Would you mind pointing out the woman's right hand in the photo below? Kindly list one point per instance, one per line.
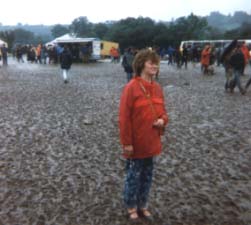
(159, 123)
(128, 150)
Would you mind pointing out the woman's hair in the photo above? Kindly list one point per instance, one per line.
(141, 57)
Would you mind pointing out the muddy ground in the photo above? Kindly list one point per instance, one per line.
(60, 157)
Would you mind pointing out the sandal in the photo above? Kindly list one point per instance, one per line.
(133, 214)
(146, 214)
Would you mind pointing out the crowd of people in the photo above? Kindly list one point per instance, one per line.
(235, 61)
(36, 54)
(50, 54)
(238, 57)
(208, 56)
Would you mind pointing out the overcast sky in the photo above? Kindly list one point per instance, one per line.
(50, 12)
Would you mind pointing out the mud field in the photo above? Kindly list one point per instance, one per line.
(60, 157)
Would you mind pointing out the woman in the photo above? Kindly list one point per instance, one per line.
(142, 118)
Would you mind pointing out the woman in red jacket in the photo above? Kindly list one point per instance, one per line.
(142, 117)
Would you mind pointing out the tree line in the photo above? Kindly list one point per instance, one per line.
(139, 32)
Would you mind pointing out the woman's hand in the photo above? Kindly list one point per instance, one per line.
(159, 123)
(128, 150)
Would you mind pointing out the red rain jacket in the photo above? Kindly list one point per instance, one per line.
(205, 57)
(136, 118)
(246, 54)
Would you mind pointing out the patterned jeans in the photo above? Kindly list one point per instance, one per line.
(138, 182)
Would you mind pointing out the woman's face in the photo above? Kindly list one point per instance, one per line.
(150, 68)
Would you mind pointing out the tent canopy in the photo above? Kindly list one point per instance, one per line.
(69, 38)
(3, 43)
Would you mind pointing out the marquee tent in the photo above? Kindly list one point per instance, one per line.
(69, 38)
(3, 43)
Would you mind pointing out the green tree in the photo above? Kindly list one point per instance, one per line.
(240, 17)
(214, 33)
(23, 36)
(242, 32)
(82, 27)
(8, 36)
(188, 28)
(161, 35)
(59, 30)
(218, 20)
(245, 31)
(100, 30)
(133, 32)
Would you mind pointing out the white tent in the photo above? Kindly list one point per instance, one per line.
(3, 43)
(55, 41)
(70, 38)
(95, 43)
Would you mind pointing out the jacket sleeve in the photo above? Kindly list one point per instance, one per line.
(125, 116)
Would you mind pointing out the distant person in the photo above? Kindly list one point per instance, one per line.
(237, 62)
(19, 54)
(219, 51)
(44, 54)
(225, 56)
(4, 52)
(38, 53)
(31, 56)
(114, 53)
(142, 117)
(170, 53)
(127, 63)
(65, 62)
(205, 59)
(212, 60)
(53, 53)
(247, 59)
(178, 57)
(195, 55)
(245, 51)
(184, 57)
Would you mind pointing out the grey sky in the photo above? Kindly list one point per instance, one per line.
(50, 12)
